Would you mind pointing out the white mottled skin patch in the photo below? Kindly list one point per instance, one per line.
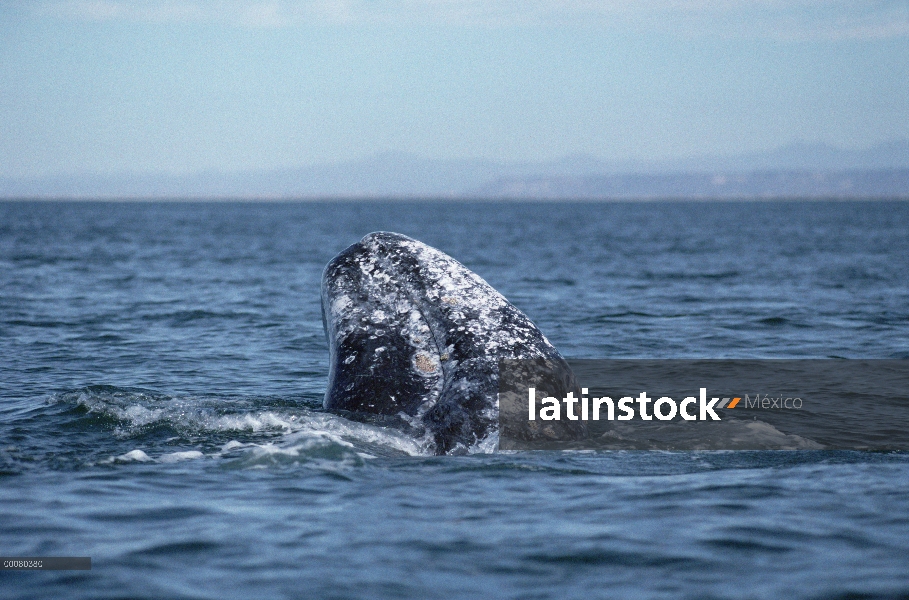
(466, 299)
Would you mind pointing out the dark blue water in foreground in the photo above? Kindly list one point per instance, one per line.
(162, 368)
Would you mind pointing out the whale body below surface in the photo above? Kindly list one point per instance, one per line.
(416, 337)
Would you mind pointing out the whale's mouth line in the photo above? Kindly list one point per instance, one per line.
(433, 399)
(432, 334)
(388, 266)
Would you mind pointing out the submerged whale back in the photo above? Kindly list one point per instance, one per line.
(414, 334)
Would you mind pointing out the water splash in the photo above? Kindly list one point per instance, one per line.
(245, 431)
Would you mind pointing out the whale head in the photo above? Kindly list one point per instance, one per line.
(415, 337)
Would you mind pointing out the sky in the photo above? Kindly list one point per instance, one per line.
(180, 86)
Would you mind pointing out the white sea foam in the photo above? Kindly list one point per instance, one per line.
(273, 435)
(136, 411)
(133, 456)
(180, 456)
(140, 456)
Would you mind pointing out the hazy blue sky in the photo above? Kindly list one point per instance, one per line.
(183, 85)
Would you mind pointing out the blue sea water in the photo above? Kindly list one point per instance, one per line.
(162, 367)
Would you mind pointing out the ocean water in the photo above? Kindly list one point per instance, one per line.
(162, 367)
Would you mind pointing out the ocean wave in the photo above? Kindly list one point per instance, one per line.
(261, 431)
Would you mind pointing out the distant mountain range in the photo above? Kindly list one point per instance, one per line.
(885, 183)
(801, 170)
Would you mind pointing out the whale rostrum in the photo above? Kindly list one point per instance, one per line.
(416, 338)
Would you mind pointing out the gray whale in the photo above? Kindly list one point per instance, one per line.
(416, 338)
